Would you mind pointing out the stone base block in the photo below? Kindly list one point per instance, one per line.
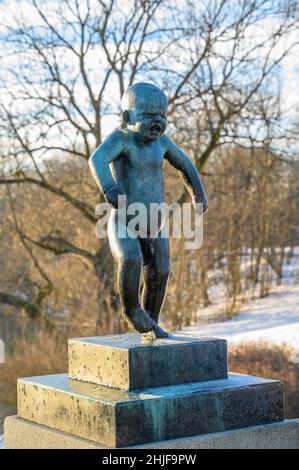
(23, 434)
(117, 418)
(131, 361)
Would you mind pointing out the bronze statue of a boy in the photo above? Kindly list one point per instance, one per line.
(129, 163)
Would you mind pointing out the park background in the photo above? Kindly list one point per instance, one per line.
(230, 69)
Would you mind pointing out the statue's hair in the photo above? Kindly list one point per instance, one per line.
(143, 92)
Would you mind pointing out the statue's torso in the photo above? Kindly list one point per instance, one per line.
(139, 171)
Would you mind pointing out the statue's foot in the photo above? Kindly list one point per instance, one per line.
(143, 323)
(158, 332)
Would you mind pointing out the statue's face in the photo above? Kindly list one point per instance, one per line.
(149, 120)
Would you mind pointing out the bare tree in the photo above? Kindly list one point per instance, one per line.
(65, 71)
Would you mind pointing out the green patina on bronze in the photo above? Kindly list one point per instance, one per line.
(118, 418)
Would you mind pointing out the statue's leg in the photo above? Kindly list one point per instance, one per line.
(155, 276)
(127, 252)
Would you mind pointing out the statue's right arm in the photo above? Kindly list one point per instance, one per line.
(99, 163)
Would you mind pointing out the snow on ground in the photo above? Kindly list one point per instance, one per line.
(274, 318)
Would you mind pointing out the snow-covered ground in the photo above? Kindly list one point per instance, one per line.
(274, 318)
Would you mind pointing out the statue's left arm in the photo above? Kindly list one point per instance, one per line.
(188, 172)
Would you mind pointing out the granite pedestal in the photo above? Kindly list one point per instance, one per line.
(128, 362)
(124, 391)
(23, 434)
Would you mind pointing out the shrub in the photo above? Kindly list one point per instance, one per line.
(46, 354)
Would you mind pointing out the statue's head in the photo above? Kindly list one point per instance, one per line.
(144, 108)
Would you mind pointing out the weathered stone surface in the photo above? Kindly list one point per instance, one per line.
(118, 418)
(127, 362)
(20, 433)
(23, 434)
